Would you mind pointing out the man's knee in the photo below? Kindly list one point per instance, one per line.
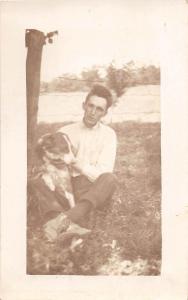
(108, 178)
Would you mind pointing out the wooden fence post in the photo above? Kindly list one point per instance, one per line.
(34, 41)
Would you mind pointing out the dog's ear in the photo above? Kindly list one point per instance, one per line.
(46, 140)
(43, 143)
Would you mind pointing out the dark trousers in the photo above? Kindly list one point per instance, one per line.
(97, 193)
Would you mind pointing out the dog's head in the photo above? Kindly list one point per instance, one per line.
(55, 147)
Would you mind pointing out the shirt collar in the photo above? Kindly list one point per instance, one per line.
(90, 128)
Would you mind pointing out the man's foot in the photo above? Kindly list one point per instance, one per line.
(74, 230)
(63, 227)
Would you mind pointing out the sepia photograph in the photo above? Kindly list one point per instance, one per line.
(94, 148)
(93, 145)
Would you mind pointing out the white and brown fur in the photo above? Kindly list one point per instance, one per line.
(55, 151)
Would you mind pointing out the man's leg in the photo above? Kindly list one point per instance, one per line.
(91, 195)
(88, 195)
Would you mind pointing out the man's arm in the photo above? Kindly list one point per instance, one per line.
(106, 161)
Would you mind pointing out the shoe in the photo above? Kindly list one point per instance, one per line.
(76, 229)
(63, 227)
(73, 231)
(55, 226)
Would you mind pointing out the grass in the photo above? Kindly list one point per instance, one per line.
(126, 235)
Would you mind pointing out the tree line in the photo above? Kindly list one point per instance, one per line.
(117, 79)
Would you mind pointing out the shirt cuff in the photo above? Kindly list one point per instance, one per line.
(91, 172)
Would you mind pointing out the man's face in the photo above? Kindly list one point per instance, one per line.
(94, 109)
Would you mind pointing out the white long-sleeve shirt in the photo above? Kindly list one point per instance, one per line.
(95, 148)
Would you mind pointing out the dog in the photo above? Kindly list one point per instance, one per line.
(56, 153)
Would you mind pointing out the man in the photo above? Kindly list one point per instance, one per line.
(92, 178)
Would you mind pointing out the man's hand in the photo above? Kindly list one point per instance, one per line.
(77, 165)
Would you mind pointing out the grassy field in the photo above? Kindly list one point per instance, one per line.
(126, 235)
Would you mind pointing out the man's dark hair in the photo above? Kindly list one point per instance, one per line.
(100, 91)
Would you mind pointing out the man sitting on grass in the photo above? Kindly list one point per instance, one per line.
(92, 178)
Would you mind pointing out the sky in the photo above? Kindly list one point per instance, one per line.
(93, 32)
(96, 35)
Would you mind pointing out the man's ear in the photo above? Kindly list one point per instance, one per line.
(104, 113)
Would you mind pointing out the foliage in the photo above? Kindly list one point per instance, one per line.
(126, 234)
(117, 79)
(91, 76)
(66, 83)
(148, 75)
